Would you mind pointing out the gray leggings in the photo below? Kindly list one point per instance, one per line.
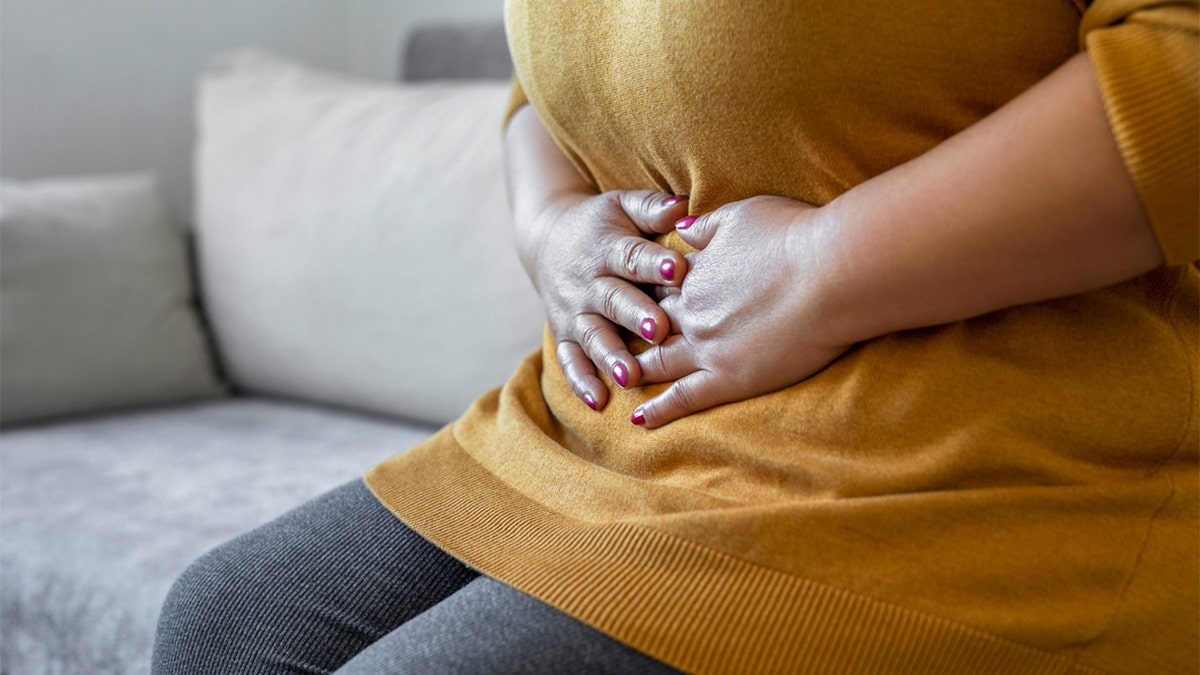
(341, 585)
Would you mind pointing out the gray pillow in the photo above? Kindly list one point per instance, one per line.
(95, 300)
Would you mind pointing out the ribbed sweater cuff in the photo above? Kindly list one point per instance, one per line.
(1148, 69)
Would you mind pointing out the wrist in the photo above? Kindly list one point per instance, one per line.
(817, 247)
(535, 222)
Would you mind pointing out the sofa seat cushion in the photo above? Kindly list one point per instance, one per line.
(100, 515)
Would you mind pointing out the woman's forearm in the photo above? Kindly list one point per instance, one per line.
(537, 172)
(1032, 203)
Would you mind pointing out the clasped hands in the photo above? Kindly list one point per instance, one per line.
(744, 316)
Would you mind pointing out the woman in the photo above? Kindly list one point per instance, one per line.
(872, 344)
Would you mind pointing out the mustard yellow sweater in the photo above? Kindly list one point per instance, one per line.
(1015, 493)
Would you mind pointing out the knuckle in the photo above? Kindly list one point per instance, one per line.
(659, 361)
(631, 254)
(562, 351)
(669, 303)
(566, 357)
(610, 301)
(685, 396)
(647, 203)
(588, 334)
(592, 340)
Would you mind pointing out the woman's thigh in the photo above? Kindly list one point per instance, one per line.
(303, 593)
(487, 627)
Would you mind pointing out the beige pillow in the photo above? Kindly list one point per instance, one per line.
(355, 239)
(95, 300)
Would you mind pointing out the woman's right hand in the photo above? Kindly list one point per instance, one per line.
(587, 253)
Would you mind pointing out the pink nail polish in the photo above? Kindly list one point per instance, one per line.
(638, 417)
(620, 374)
(685, 223)
(667, 269)
(590, 400)
(648, 327)
(672, 200)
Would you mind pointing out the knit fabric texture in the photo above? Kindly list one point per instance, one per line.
(338, 585)
(303, 593)
(1017, 492)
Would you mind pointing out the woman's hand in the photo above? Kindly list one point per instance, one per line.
(587, 254)
(748, 318)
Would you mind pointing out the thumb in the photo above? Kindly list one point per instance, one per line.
(651, 211)
(698, 231)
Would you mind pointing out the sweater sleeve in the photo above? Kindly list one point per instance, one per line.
(1146, 54)
(515, 101)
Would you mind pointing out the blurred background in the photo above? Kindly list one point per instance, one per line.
(182, 365)
(95, 86)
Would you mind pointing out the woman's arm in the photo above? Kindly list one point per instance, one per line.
(538, 174)
(1033, 202)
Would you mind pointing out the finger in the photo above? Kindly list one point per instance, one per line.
(626, 305)
(598, 338)
(670, 305)
(696, 392)
(581, 375)
(645, 262)
(672, 360)
(698, 231)
(660, 293)
(653, 212)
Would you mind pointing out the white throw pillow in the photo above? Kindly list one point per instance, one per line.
(354, 237)
(95, 300)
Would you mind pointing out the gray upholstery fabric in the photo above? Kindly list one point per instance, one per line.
(99, 515)
(95, 301)
(456, 52)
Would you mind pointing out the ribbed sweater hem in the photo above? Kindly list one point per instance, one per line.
(694, 608)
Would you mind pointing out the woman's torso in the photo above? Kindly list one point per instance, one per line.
(1002, 454)
(727, 100)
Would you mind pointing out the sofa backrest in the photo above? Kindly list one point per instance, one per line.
(456, 51)
(353, 237)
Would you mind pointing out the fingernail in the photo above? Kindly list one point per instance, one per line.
(620, 374)
(672, 200)
(648, 328)
(638, 417)
(667, 269)
(685, 223)
(590, 400)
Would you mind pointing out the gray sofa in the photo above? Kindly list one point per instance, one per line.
(350, 287)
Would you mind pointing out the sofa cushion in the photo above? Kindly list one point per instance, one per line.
(354, 237)
(95, 299)
(100, 515)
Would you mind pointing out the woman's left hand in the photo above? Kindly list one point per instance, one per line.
(751, 316)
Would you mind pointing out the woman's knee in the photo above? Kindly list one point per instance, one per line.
(339, 570)
(246, 603)
(213, 602)
(250, 575)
